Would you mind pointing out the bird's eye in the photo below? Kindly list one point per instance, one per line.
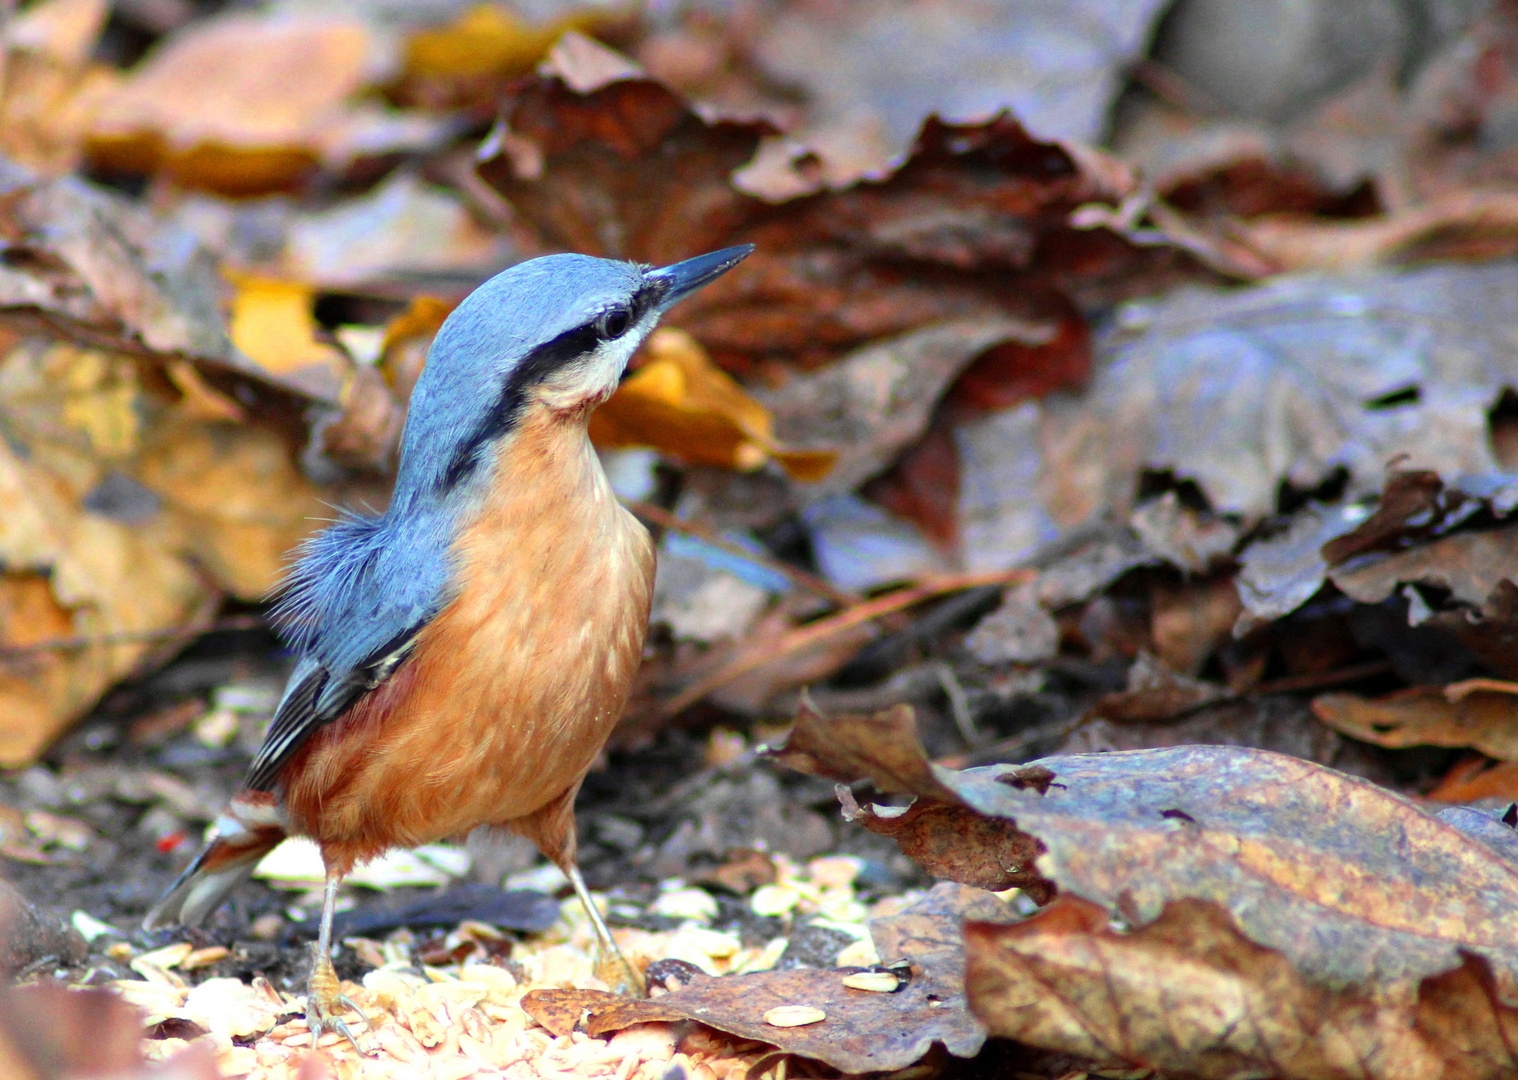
(614, 323)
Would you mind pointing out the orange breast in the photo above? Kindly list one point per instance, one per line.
(511, 691)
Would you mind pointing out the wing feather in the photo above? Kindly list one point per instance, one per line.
(314, 698)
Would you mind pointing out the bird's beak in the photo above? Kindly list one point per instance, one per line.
(683, 278)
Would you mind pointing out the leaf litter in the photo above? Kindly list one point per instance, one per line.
(921, 453)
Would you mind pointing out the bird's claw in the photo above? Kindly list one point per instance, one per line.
(323, 999)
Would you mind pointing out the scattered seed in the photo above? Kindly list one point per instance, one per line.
(168, 956)
(789, 1016)
(773, 899)
(877, 982)
(200, 958)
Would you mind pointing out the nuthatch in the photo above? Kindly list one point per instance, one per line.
(464, 655)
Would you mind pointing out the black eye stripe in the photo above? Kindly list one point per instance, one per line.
(533, 369)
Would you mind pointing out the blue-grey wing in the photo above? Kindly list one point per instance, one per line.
(353, 607)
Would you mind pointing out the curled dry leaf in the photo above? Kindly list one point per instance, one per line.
(1475, 779)
(1469, 565)
(1424, 716)
(872, 70)
(127, 511)
(1359, 371)
(860, 1031)
(627, 169)
(679, 402)
(89, 265)
(1190, 992)
(1291, 852)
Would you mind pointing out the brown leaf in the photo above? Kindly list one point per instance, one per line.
(949, 839)
(1477, 778)
(956, 843)
(1470, 565)
(248, 104)
(1190, 992)
(1423, 716)
(1304, 874)
(862, 1031)
(1410, 494)
(47, 1031)
(882, 749)
(92, 266)
(1190, 620)
(628, 170)
(1175, 389)
(1155, 691)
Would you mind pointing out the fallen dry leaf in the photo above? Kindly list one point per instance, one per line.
(130, 507)
(246, 104)
(1468, 565)
(52, 85)
(1290, 851)
(859, 1030)
(1189, 992)
(872, 71)
(1424, 716)
(273, 325)
(466, 61)
(626, 169)
(682, 404)
(1477, 778)
(91, 266)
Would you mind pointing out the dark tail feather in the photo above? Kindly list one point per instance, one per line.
(224, 863)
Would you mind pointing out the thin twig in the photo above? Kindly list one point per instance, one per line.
(129, 637)
(798, 577)
(1319, 679)
(814, 633)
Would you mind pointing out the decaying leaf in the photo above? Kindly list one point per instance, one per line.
(1475, 779)
(89, 265)
(626, 169)
(273, 325)
(873, 70)
(1291, 853)
(248, 104)
(860, 1031)
(1189, 992)
(679, 402)
(1356, 371)
(1468, 565)
(52, 84)
(129, 508)
(1425, 716)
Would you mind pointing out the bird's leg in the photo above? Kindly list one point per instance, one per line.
(324, 993)
(622, 972)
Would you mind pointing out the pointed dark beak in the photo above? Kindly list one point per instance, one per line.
(683, 278)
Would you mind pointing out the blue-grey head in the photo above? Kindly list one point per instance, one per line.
(557, 330)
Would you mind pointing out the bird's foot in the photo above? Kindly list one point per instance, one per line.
(325, 998)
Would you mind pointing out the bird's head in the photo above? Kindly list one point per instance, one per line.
(554, 333)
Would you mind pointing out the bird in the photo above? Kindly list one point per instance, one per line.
(462, 657)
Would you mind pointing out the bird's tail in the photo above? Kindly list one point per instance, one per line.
(243, 835)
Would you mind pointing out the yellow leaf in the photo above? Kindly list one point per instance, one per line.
(99, 399)
(487, 39)
(680, 403)
(273, 325)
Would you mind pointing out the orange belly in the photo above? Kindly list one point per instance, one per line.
(510, 693)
